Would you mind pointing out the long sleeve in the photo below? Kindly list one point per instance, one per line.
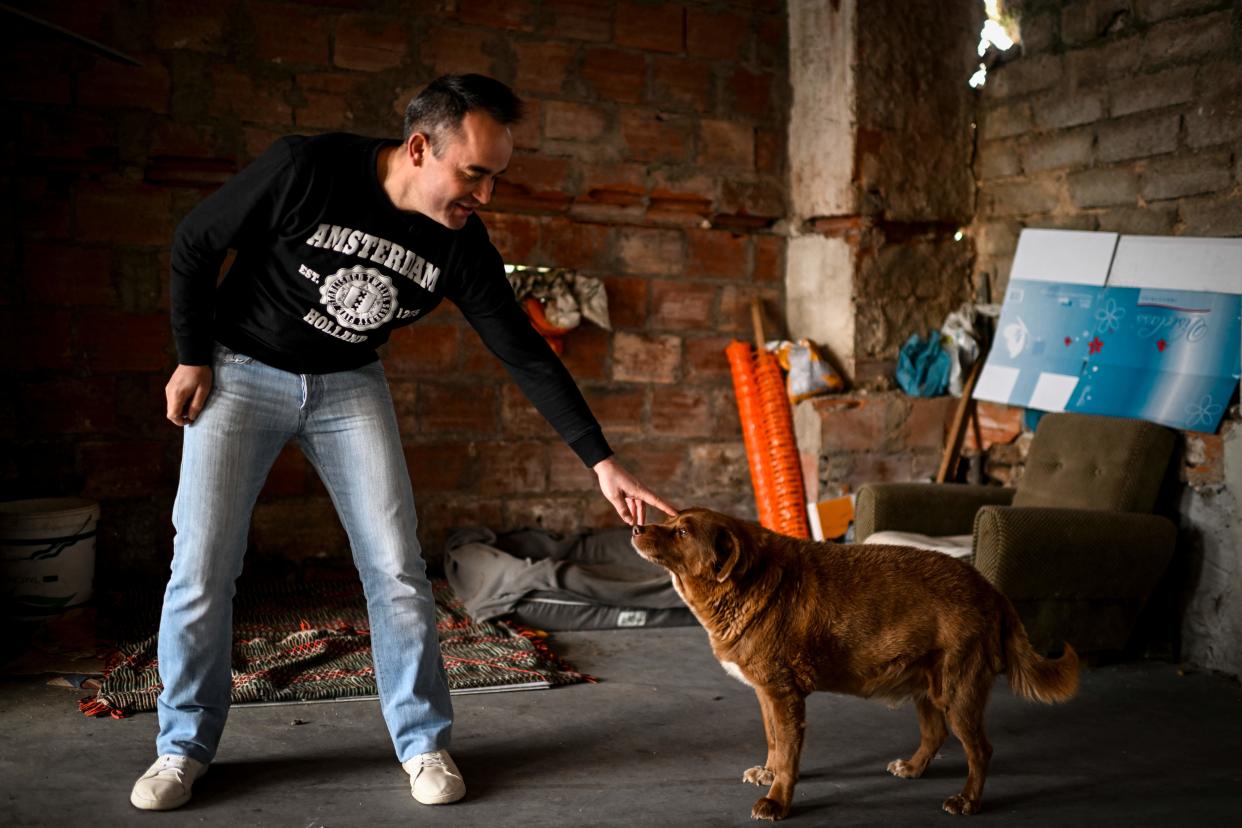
(250, 204)
(487, 302)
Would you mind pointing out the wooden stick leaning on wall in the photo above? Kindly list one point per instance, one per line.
(961, 418)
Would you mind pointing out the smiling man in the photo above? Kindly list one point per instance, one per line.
(339, 239)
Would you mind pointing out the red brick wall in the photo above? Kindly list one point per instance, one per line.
(653, 157)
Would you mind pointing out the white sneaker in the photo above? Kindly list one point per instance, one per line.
(434, 778)
(166, 784)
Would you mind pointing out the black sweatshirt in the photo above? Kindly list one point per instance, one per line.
(327, 267)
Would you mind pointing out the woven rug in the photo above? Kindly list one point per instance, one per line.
(310, 642)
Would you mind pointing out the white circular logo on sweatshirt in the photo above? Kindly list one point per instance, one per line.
(360, 298)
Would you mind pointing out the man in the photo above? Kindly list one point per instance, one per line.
(339, 240)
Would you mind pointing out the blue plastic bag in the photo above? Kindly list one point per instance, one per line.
(923, 366)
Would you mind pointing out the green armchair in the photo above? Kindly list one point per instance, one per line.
(1075, 546)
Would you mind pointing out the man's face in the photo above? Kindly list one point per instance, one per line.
(461, 177)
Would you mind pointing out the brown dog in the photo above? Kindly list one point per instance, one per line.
(789, 617)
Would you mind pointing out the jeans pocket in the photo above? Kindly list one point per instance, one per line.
(233, 358)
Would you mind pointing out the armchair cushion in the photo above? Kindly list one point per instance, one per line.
(1092, 462)
(925, 508)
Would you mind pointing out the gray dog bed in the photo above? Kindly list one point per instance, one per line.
(587, 581)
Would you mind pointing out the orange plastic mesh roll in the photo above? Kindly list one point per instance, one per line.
(767, 431)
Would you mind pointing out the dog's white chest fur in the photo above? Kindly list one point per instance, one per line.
(735, 671)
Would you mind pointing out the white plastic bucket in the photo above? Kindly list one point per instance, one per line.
(47, 555)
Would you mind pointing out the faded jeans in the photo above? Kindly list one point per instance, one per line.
(346, 427)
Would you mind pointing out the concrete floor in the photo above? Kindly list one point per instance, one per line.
(662, 740)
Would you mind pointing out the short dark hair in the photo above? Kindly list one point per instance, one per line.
(439, 109)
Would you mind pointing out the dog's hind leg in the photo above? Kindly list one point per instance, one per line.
(787, 709)
(933, 731)
(760, 775)
(966, 718)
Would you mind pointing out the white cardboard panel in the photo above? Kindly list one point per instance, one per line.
(1075, 257)
(1181, 263)
(995, 382)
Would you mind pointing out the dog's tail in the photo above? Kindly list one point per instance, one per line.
(1031, 675)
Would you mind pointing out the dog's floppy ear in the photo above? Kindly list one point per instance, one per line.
(728, 553)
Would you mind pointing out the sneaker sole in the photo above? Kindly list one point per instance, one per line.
(442, 799)
(155, 804)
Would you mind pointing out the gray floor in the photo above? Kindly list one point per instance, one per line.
(662, 740)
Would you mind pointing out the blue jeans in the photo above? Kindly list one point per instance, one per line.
(346, 427)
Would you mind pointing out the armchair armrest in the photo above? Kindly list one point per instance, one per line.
(926, 508)
(1032, 553)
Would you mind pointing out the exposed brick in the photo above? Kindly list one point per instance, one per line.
(289, 475)
(705, 359)
(553, 514)
(1139, 138)
(528, 133)
(1139, 221)
(735, 301)
(1153, 10)
(1039, 32)
(771, 41)
(62, 274)
(456, 407)
(296, 528)
(681, 198)
(1090, 19)
(329, 100)
(504, 14)
(750, 93)
(542, 65)
(927, 422)
(576, 244)
(30, 77)
(726, 144)
(619, 410)
(1057, 110)
(769, 150)
(512, 467)
(132, 468)
(1103, 187)
(453, 50)
(586, 352)
(1187, 39)
(110, 341)
(638, 358)
(763, 199)
(442, 466)
(858, 424)
(997, 159)
(1154, 91)
(114, 84)
(1099, 65)
(721, 35)
(518, 417)
(1022, 77)
(651, 27)
(370, 43)
(621, 185)
(1216, 121)
(515, 236)
(1212, 216)
(769, 258)
(425, 348)
(718, 253)
(1004, 121)
(680, 83)
(627, 302)
(1035, 195)
(645, 250)
(534, 182)
(236, 93)
(578, 19)
(1058, 150)
(615, 75)
(69, 406)
(681, 412)
(1185, 175)
(719, 466)
(661, 464)
(1205, 460)
(573, 122)
(289, 33)
(134, 214)
(198, 27)
(567, 473)
(682, 305)
(43, 337)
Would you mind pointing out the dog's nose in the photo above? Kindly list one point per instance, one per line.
(637, 530)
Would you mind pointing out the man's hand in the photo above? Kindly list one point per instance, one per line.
(187, 392)
(625, 493)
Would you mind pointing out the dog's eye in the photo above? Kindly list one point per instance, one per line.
(681, 532)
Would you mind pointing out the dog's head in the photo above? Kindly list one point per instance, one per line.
(696, 544)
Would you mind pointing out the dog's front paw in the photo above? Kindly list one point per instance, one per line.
(904, 769)
(767, 808)
(759, 776)
(958, 804)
